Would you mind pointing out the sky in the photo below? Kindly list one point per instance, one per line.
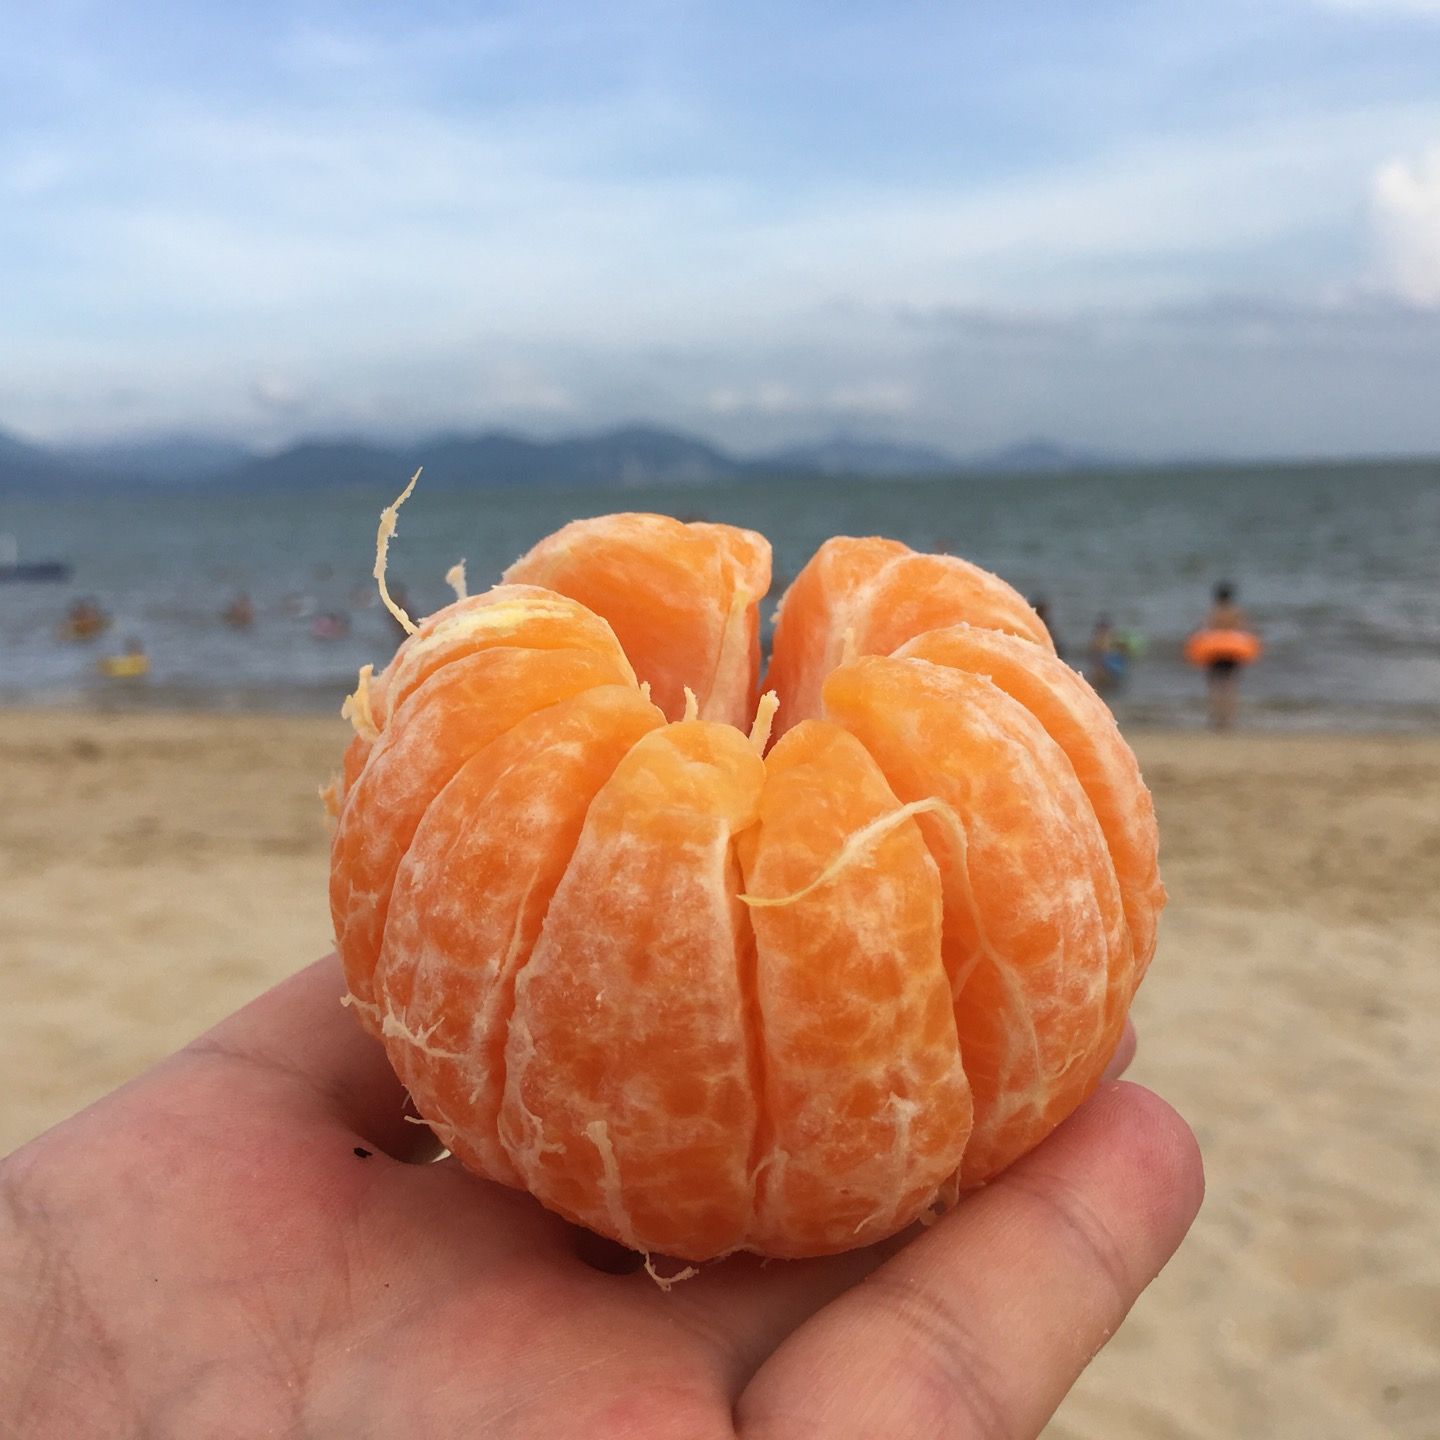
(1161, 230)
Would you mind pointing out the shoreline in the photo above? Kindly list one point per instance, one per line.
(318, 704)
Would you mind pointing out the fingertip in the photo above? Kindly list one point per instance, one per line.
(1158, 1149)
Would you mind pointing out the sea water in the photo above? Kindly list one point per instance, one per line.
(1336, 565)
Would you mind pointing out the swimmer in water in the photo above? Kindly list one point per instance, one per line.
(331, 625)
(239, 614)
(131, 664)
(84, 620)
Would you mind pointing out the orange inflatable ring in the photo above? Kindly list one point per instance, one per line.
(702, 992)
(1206, 647)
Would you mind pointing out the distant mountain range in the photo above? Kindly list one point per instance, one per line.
(24, 464)
(167, 457)
(629, 456)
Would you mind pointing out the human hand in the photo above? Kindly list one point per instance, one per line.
(242, 1243)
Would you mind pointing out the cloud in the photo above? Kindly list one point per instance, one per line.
(999, 326)
(1405, 209)
(1228, 374)
(611, 216)
(1358, 320)
(857, 399)
(873, 398)
(423, 221)
(509, 390)
(34, 172)
(276, 395)
(769, 397)
(311, 46)
(1384, 7)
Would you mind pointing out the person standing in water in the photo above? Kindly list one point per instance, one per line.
(1108, 657)
(1222, 675)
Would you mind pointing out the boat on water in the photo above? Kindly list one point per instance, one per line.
(13, 568)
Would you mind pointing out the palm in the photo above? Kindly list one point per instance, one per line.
(205, 1252)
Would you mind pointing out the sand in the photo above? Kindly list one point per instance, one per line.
(156, 871)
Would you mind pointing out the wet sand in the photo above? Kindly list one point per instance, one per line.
(158, 870)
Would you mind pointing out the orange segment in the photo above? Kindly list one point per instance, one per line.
(815, 615)
(469, 899)
(523, 615)
(630, 1100)
(683, 600)
(867, 1109)
(916, 593)
(866, 597)
(505, 615)
(457, 711)
(1081, 723)
(1032, 908)
(357, 752)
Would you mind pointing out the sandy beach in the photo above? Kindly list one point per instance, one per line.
(159, 870)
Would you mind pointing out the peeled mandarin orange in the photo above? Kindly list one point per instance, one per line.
(702, 993)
